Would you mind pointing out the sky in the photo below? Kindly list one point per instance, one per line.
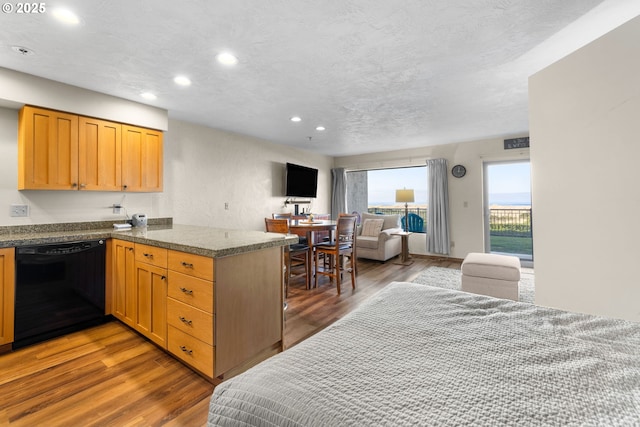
(509, 178)
(503, 178)
(383, 184)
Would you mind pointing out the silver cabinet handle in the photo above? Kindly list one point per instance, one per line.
(187, 291)
(148, 255)
(185, 321)
(187, 265)
(186, 350)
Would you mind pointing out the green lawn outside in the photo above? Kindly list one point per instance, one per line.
(512, 245)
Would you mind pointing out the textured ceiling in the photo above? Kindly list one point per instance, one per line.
(378, 74)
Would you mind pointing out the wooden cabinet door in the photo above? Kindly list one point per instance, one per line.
(151, 295)
(100, 157)
(47, 150)
(124, 286)
(141, 159)
(7, 292)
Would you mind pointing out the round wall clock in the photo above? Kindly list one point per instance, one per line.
(458, 171)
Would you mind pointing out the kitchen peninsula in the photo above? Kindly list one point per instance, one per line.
(211, 297)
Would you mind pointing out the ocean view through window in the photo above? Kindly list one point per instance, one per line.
(381, 185)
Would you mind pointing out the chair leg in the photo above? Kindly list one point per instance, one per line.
(287, 270)
(353, 271)
(315, 275)
(307, 266)
(337, 271)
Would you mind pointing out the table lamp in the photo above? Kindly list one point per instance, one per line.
(405, 196)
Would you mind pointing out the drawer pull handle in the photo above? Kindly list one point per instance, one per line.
(187, 291)
(185, 321)
(187, 265)
(148, 255)
(186, 350)
(163, 277)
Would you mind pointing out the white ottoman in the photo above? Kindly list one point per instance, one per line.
(490, 274)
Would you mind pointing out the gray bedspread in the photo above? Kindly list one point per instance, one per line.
(418, 355)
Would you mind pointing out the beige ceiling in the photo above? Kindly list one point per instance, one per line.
(378, 74)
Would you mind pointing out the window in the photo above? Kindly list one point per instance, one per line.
(374, 191)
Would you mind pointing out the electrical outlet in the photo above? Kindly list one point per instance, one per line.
(19, 210)
(116, 208)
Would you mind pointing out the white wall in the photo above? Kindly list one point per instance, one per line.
(585, 151)
(204, 168)
(465, 194)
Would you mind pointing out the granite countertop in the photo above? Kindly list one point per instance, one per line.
(207, 241)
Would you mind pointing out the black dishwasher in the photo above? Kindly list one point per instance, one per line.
(60, 288)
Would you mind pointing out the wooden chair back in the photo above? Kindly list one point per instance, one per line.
(277, 225)
(346, 229)
(285, 215)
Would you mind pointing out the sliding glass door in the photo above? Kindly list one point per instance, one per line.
(507, 206)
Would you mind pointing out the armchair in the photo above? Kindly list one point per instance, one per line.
(375, 237)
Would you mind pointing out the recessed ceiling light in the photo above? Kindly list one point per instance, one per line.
(182, 81)
(226, 58)
(295, 119)
(320, 128)
(22, 50)
(149, 96)
(65, 16)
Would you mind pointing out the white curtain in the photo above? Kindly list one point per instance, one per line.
(438, 241)
(339, 193)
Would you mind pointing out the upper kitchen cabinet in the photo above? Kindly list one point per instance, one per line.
(47, 150)
(100, 149)
(141, 159)
(61, 151)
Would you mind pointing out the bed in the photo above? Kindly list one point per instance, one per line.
(419, 355)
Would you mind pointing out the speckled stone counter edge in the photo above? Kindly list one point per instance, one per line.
(39, 234)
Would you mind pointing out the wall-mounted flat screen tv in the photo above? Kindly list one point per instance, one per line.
(300, 181)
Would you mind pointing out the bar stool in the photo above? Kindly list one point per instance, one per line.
(335, 251)
(297, 252)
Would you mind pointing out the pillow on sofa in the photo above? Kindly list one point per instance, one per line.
(390, 221)
(372, 227)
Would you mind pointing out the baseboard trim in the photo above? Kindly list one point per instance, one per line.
(436, 257)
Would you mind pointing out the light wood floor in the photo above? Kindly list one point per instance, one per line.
(111, 376)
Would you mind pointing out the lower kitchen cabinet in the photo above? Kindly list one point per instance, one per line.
(124, 281)
(190, 310)
(7, 292)
(140, 288)
(151, 297)
(216, 315)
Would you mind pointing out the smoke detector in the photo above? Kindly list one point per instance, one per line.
(22, 50)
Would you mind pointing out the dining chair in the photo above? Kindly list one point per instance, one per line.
(342, 246)
(289, 216)
(322, 236)
(294, 255)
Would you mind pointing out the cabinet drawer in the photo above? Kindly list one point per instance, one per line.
(191, 290)
(191, 264)
(191, 351)
(190, 320)
(151, 255)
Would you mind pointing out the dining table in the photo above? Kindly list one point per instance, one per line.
(305, 227)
